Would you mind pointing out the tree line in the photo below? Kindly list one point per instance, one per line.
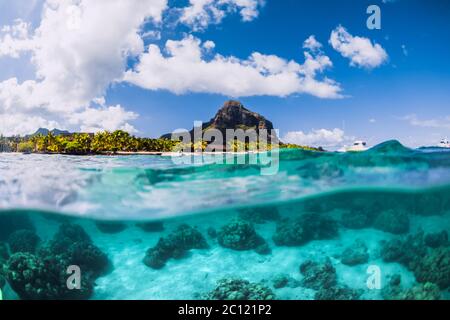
(113, 142)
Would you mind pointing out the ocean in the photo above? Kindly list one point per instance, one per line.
(324, 225)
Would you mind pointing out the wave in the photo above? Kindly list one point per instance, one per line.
(425, 202)
(146, 188)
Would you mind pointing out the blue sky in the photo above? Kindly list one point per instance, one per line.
(403, 93)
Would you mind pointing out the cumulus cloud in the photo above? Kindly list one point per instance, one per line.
(325, 138)
(22, 124)
(106, 118)
(312, 44)
(75, 54)
(201, 13)
(361, 51)
(182, 67)
(15, 39)
(76, 58)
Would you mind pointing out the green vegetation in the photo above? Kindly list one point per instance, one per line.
(295, 146)
(85, 143)
(118, 141)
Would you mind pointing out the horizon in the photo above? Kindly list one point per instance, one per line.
(160, 137)
(316, 71)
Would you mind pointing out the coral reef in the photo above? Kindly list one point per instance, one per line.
(238, 289)
(393, 221)
(241, 235)
(427, 264)
(43, 275)
(23, 241)
(12, 221)
(407, 251)
(425, 291)
(337, 292)
(282, 280)
(355, 254)
(175, 245)
(318, 275)
(110, 226)
(153, 226)
(435, 267)
(322, 277)
(259, 215)
(437, 239)
(307, 227)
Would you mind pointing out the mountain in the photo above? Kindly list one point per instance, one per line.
(233, 115)
(55, 132)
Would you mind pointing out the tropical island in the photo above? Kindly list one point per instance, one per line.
(233, 115)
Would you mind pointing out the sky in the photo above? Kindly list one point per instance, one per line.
(313, 68)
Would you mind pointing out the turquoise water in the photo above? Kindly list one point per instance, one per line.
(150, 227)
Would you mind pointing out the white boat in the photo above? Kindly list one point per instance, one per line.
(444, 144)
(357, 146)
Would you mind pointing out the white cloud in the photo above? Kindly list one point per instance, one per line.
(14, 39)
(152, 35)
(318, 138)
(105, 118)
(22, 124)
(209, 45)
(312, 44)
(76, 58)
(184, 68)
(75, 53)
(440, 123)
(200, 13)
(361, 52)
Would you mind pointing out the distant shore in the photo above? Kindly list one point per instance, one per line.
(141, 153)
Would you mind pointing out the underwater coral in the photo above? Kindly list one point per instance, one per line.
(307, 227)
(395, 291)
(238, 289)
(23, 241)
(318, 275)
(241, 235)
(283, 280)
(427, 263)
(175, 246)
(393, 221)
(355, 254)
(43, 275)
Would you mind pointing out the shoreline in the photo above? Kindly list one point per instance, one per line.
(145, 153)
